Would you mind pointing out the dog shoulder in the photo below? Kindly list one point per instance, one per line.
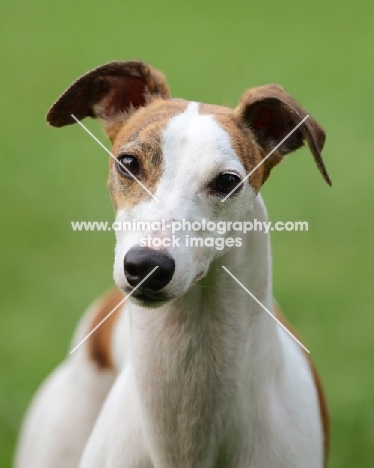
(317, 382)
(99, 343)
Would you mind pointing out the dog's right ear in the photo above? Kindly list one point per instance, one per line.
(109, 92)
(271, 114)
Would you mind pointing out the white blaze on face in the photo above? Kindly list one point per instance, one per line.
(194, 149)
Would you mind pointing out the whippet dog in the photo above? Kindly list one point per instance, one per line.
(189, 372)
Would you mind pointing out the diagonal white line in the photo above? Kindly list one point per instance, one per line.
(111, 312)
(266, 309)
(112, 155)
(265, 158)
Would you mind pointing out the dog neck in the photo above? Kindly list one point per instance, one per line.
(197, 358)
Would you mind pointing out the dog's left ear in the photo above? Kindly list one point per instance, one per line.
(270, 113)
(110, 92)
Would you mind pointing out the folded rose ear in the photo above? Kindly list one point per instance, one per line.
(271, 114)
(109, 92)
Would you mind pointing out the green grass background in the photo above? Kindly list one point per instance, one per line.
(321, 52)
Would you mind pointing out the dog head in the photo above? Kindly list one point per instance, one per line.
(177, 161)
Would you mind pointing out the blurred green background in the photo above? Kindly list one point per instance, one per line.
(321, 52)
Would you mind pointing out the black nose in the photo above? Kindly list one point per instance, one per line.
(140, 261)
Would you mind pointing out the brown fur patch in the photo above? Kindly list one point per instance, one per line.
(142, 136)
(320, 393)
(99, 343)
(242, 140)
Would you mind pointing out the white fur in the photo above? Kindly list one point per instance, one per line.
(207, 380)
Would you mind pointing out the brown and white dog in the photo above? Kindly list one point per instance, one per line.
(190, 372)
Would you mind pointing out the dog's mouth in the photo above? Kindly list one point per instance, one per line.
(148, 298)
(153, 299)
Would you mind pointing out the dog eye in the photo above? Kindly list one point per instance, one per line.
(129, 162)
(226, 182)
